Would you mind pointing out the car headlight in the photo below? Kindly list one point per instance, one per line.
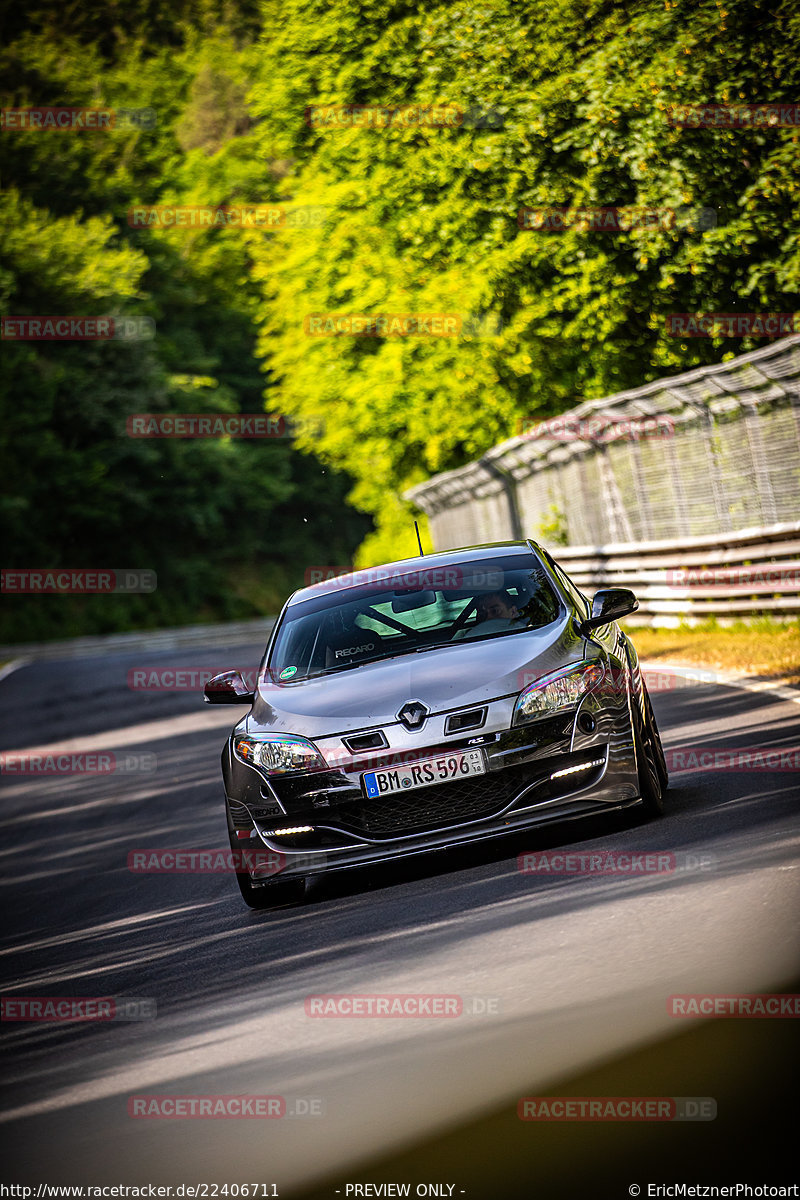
(276, 754)
(558, 691)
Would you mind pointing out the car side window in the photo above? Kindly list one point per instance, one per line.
(580, 601)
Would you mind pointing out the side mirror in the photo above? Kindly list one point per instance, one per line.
(227, 688)
(609, 604)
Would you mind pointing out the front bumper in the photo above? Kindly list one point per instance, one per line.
(550, 770)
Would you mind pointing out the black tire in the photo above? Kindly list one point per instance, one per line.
(661, 762)
(270, 895)
(267, 895)
(650, 761)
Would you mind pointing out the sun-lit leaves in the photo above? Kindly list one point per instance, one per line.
(229, 526)
(568, 104)
(425, 220)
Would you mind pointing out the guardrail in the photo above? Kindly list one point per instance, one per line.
(183, 637)
(716, 449)
(686, 489)
(730, 576)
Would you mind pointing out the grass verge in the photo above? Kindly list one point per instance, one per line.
(763, 648)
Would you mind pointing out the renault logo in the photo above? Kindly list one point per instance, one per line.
(413, 714)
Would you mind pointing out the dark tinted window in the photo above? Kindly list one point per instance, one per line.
(377, 614)
(581, 603)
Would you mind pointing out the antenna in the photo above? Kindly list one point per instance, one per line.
(419, 539)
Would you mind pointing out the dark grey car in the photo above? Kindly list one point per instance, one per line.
(430, 703)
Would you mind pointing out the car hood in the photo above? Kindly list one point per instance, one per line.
(459, 675)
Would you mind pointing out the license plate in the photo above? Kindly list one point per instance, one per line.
(425, 773)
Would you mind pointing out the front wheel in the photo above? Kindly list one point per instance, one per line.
(266, 895)
(650, 761)
(270, 895)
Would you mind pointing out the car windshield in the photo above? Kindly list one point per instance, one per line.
(384, 612)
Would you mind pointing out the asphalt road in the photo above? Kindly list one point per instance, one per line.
(562, 974)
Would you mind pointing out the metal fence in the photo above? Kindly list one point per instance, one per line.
(695, 471)
(726, 576)
(711, 451)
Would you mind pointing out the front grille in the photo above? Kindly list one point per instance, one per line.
(442, 804)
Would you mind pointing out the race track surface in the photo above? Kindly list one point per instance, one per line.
(557, 974)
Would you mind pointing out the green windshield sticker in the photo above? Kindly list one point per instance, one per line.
(287, 672)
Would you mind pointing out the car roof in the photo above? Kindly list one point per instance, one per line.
(425, 562)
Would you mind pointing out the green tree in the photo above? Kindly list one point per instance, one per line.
(426, 219)
(228, 525)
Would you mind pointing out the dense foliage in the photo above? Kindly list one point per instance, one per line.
(228, 525)
(572, 100)
(426, 219)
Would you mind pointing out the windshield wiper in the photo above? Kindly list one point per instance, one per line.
(437, 645)
(360, 663)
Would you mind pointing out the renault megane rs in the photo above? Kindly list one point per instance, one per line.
(429, 703)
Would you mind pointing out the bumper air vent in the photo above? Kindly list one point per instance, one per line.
(462, 722)
(365, 741)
